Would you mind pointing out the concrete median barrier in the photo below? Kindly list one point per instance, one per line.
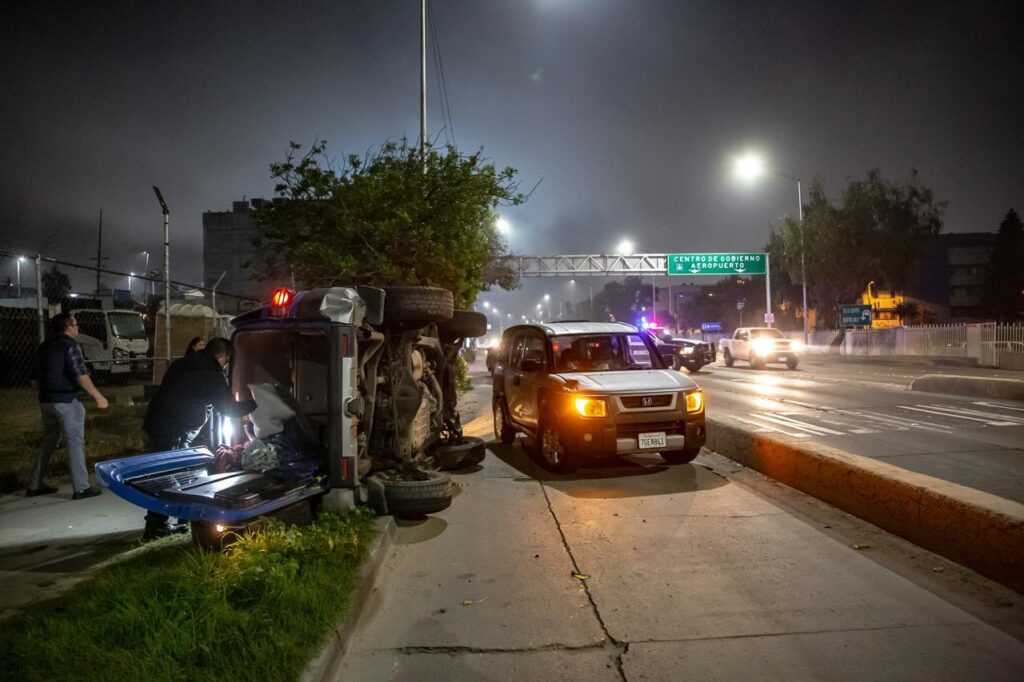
(981, 387)
(973, 528)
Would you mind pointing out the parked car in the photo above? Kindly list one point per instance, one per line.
(369, 376)
(760, 346)
(689, 353)
(587, 390)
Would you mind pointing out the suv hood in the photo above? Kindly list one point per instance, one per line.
(630, 380)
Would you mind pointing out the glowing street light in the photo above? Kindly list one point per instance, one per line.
(751, 167)
(625, 248)
(503, 226)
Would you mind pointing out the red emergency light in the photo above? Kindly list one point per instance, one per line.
(279, 301)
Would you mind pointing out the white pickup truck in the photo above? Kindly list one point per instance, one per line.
(760, 346)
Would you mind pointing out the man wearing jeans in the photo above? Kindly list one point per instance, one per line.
(63, 378)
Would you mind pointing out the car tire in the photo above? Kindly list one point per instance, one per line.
(418, 498)
(465, 324)
(684, 456)
(677, 364)
(727, 358)
(503, 430)
(549, 450)
(792, 363)
(418, 304)
(465, 453)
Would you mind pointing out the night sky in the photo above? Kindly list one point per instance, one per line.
(627, 113)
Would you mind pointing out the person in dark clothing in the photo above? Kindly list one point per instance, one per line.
(62, 379)
(178, 409)
(197, 343)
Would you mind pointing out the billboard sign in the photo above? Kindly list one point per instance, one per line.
(857, 315)
(711, 326)
(716, 263)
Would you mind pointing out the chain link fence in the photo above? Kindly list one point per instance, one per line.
(120, 315)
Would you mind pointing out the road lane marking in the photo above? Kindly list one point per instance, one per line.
(920, 408)
(898, 423)
(979, 413)
(1001, 407)
(788, 416)
(791, 423)
(771, 428)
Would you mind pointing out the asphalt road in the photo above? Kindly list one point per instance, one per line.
(866, 408)
(642, 571)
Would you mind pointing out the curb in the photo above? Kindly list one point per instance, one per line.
(979, 530)
(981, 387)
(326, 664)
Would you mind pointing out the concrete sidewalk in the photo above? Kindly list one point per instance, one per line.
(49, 543)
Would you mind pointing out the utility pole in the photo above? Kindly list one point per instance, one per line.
(167, 271)
(423, 83)
(99, 254)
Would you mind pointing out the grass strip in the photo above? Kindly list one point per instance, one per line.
(167, 611)
(109, 434)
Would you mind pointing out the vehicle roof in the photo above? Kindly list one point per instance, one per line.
(560, 328)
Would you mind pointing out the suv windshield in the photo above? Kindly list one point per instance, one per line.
(603, 352)
(127, 325)
(766, 334)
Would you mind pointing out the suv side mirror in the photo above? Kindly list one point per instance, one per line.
(531, 365)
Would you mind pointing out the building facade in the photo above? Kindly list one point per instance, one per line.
(950, 283)
(228, 248)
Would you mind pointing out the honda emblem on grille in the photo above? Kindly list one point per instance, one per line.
(647, 401)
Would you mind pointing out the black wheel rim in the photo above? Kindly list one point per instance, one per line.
(551, 446)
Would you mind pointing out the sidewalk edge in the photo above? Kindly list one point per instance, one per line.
(327, 662)
(979, 530)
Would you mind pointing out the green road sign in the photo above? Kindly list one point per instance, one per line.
(855, 315)
(716, 263)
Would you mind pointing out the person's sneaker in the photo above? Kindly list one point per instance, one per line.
(88, 492)
(41, 490)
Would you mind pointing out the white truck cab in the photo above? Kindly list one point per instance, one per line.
(114, 341)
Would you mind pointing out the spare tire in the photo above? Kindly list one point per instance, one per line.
(417, 304)
(418, 498)
(465, 324)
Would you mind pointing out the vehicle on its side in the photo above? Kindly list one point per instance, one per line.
(760, 346)
(587, 390)
(369, 375)
(115, 342)
(689, 353)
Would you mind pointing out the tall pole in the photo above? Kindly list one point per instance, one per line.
(39, 297)
(149, 282)
(767, 288)
(18, 261)
(590, 288)
(99, 254)
(803, 271)
(167, 271)
(423, 82)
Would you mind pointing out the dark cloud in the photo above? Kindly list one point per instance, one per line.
(628, 111)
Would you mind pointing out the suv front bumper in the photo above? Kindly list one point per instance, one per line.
(610, 437)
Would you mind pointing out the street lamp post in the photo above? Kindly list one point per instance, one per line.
(750, 167)
(19, 260)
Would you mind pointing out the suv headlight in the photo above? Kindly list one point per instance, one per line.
(694, 402)
(119, 353)
(762, 347)
(591, 407)
(686, 350)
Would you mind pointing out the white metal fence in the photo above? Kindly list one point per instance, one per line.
(984, 342)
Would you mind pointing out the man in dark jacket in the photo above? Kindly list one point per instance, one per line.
(178, 411)
(62, 378)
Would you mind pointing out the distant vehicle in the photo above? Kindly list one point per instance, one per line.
(586, 390)
(492, 354)
(114, 341)
(760, 346)
(689, 353)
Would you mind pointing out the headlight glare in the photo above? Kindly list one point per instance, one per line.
(762, 346)
(591, 407)
(686, 350)
(694, 402)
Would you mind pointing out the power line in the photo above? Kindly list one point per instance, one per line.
(446, 107)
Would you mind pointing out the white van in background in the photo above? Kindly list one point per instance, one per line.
(114, 341)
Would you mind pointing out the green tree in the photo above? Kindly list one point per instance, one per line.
(56, 284)
(393, 217)
(1005, 286)
(877, 230)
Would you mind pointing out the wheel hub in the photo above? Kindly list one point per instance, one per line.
(551, 446)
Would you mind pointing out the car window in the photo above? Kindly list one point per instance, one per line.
(767, 334)
(530, 348)
(92, 324)
(742, 336)
(603, 352)
(127, 325)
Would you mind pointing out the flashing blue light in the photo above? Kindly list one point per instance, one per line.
(643, 322)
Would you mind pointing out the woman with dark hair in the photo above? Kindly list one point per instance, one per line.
(197, 343)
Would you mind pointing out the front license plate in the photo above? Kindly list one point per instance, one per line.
(651, 440)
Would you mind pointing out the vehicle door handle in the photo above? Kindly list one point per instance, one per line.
(515, 380)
